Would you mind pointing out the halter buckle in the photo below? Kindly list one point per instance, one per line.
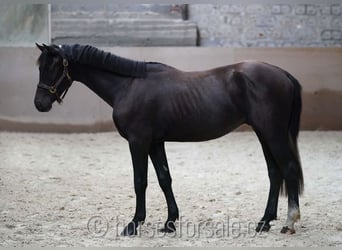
(52, 90)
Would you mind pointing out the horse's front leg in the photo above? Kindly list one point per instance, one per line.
(139, 153)
(158, 157)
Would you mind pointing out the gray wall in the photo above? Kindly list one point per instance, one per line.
(318, 70)
(223, 25)
(122, 25)
(229, 25)
(268, 25)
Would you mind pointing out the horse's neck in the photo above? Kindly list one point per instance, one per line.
(106, 85)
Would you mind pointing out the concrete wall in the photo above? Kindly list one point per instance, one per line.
(128, 25)
(318, 70)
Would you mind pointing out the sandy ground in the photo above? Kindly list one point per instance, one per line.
(77, 190)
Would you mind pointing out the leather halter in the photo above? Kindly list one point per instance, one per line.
(53, 88)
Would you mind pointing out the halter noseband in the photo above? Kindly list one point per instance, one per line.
(53, 88)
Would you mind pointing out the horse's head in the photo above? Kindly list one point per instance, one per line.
(54, 78)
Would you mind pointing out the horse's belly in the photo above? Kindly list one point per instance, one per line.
(201, 129)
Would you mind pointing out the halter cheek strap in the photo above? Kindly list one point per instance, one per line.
(53, 88)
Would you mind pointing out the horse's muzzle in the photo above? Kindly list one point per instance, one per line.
(42, 106)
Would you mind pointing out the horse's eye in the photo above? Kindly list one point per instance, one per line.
(55, 60)
(53, 63)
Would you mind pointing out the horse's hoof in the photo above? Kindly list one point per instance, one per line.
(169, 228)
(287, 230)
(129, 230)
(263, 227)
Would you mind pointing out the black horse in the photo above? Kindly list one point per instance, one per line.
(153, 103)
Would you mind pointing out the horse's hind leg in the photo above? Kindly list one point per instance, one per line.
(158, 157)
(283, 152)
(276, 180)
(292, 175)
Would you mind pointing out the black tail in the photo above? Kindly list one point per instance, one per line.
(296, 107)
(294, 125)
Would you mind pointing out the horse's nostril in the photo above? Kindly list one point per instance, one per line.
(38, 104)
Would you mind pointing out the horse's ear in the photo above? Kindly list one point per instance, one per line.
(46, 47)
(40, 47)
(51, 49)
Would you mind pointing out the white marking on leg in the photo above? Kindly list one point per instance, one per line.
(165, 168)
(293, 215)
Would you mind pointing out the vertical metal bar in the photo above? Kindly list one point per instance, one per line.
(49, 24)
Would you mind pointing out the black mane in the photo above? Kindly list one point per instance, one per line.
(92, 56)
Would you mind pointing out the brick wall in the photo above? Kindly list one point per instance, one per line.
(268, 25)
